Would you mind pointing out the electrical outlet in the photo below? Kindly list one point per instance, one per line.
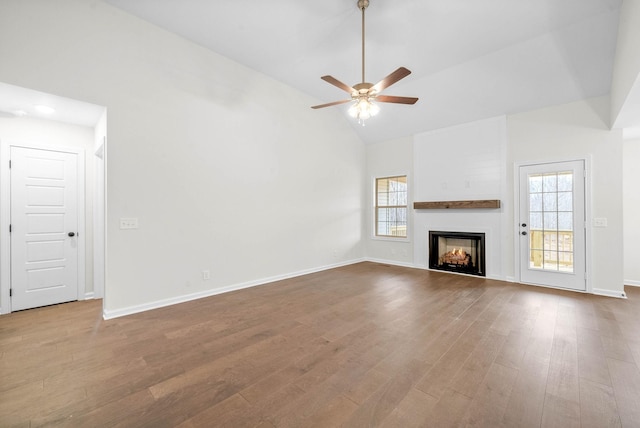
(206, 275)
(129, 223)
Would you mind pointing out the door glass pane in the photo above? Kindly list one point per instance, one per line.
(551, 221)
(549, 183)
(535, 183)
(535, 201)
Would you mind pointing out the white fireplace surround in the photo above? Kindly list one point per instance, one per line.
(475, 170)
(493, 258)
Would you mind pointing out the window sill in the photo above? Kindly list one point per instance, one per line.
(390, 238)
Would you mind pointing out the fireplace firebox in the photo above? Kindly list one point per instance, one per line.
(461, 252)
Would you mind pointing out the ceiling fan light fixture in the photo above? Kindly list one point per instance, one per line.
(362, 109)
(363, 93)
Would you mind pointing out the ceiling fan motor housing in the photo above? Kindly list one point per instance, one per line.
(362, 89)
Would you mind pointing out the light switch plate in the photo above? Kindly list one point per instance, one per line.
(128, 223)
(599, 222)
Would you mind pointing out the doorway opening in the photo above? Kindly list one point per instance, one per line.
(70, 126)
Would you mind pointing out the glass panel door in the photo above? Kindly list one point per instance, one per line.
(552, 225)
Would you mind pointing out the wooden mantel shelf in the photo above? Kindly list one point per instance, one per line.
(484, 203)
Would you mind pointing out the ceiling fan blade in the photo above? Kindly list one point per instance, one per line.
(400, 73)
(339, 84)
(394, 99)
(335, 103)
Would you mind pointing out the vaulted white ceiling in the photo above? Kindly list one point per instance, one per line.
(470, 59)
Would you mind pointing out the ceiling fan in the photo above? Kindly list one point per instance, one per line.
(363, 94)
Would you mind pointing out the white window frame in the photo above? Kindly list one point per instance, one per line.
(374, 229)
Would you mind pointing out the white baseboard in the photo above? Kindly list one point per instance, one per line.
(632, 282)
(390, 262)
(511, 279)
(610, 293)
(89, 296)
(130, 310)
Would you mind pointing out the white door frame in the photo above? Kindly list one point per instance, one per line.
(5, 216)
(587, 206)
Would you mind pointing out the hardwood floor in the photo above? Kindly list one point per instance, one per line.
(366, 345)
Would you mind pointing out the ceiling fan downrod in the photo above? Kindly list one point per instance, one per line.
(362, 5)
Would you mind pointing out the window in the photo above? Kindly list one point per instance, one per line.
(391, 206)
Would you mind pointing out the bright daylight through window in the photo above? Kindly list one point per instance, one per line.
(391, 206)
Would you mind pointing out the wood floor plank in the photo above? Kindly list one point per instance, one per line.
(562, 380)
(475, 369)
(560, 412)
(334, 414)
(233, 412)
(360, 345)
(488, 407)
(598, 407)
(412, 411)
(379, 405)
(626, 388)
(616, 348)
(527, 399)
(438, 379)
(592, 362)
(449, 411)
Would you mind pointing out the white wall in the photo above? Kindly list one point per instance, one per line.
(573, 131)
(48, 133)
(227, 170)
(387, 159)
(464, 162)
(626, 67)
(631, 200)
(476, 161)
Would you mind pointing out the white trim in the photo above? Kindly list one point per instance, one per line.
(392, 238)
(610, 293)
(130, 310)
(391, 262)
(89, 296)
(81, 178)
(5, 216)
(5, 242)
(588, 194)
(99, 218)
(373, 224)
(632, 283)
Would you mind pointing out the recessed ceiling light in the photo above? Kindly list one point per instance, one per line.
(45, 109)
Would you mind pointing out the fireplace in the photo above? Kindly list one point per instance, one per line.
(461, 252)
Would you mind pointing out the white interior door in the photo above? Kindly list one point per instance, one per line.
(44, 227)
(552, 225)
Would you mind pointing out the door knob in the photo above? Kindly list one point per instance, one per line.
(523, 233)
(71, 234)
